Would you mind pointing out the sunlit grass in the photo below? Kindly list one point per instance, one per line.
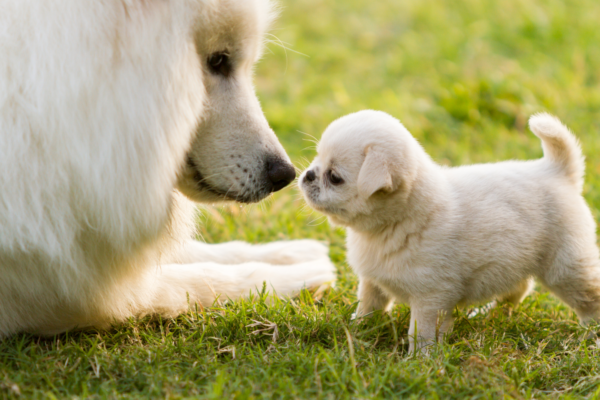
(463, 76)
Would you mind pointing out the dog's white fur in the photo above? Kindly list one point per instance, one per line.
(101, 105)
(438, 237)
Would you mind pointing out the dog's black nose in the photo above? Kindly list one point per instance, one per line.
(280, 173)
(310, 176)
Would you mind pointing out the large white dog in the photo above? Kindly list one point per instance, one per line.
(108, 111)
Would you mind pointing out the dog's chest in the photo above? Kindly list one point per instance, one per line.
(392, 264)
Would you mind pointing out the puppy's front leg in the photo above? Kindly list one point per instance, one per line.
(427, 324)
(371, 298)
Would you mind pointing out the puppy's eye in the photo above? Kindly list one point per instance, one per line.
(335, 179)
(220, 63)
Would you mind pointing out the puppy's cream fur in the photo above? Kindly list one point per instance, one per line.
(437, 237)
(108, 109)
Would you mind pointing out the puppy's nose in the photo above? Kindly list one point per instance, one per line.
(310, 176)
(280, 173)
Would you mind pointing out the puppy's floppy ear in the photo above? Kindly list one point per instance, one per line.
(375, 174)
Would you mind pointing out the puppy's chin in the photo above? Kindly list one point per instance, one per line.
(337, 221)
(335, 215)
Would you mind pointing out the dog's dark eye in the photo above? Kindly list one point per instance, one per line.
(220, 64)
(335, 179)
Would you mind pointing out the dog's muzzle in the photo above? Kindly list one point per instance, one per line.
(280, 173)
(275, 175)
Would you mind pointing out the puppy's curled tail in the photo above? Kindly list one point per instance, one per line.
(560, 146)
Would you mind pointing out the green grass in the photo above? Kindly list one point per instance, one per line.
(463, 76)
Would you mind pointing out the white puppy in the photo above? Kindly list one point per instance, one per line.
(437, 237)
(108, 111)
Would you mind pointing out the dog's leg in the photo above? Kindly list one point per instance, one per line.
(176, 286)
(371, 298)
(578, 286)
(519, 293)
(277, 253)
(513, 298)
(427, 324)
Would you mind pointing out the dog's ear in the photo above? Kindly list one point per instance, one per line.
(375, 174)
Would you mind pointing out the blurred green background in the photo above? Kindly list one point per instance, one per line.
(463, 77)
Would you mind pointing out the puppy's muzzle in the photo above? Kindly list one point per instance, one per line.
(310, 176)
(280, 173)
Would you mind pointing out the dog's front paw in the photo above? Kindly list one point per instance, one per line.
(289, 280)
(292, 251)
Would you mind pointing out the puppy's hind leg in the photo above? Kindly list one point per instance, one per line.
(578, 286)
(518, 294)
(513, 298)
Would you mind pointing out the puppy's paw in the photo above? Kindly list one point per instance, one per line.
(360, 319)
(291, 251)
(591, 330)
(360, 315)
(475, 311)
(421, 350)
